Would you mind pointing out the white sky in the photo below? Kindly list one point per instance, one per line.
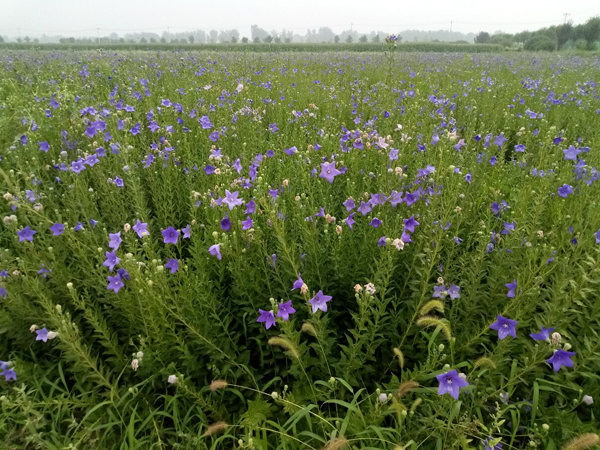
(83, 17)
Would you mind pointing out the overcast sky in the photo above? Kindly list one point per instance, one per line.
(83, 17)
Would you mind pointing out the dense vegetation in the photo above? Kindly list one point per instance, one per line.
(215, 250)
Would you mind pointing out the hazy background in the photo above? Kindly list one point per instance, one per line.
(81, 18)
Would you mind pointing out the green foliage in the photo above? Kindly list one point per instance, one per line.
(178, 360)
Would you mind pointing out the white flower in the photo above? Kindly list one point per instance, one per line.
(588, 400)
(274, 395)
(504, 397)
(398, 243)
(382, 398)
(139, 355)
(172, 379)
(32, 328)
(135, 364)
(52, 335)
(556, 338)
(370, 288)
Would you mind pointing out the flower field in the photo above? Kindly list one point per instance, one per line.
(204, 250)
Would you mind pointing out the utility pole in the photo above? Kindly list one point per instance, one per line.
(566, 14)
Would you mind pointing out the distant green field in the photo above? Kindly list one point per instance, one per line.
(340, 47)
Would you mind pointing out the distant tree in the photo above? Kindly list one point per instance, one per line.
(256, 40)
(162, 40)
(122, 40)
(19, 40)
(277, 40)
(36, 41)
(183, 41)
(349, 39)
(268, 39)
(191, 38)
(152, 41)
(257, 32)
(214, 35)
(540, 42)
(234, 39)
(287, 40)
(244, 40)
(143, 40)
(1, 39)
(27, 39)
(375, 38)
(523, 36)
(591, 31)
(564, 33)
(363, 39)
(483, 37)
(336, 39)
(503, 39)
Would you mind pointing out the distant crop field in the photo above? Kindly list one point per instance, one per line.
(262, 47)
(289, 248)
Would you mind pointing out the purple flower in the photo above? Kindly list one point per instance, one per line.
(561, 358)
(350, 220)
(450, 383)
(250, 207)
(410, 224)
(225, 224)
(187, 231)
(232, 200)
(170, 235)
(468, 178)
(248, 223)
(565, 190)
(285, 309)
(42, 335)
(44, 146)
(215, 250)
(364, 208)
(205, 123)
(520, 148)
(500, 140)
(111, 260)
(141, 228)
(505, 327)
(381, 242)
(115, 283)
(571, 153)
(349, 204)
(26, 234)
(119, 182)
(9, 374)
(172, 265)
(290, 151)
(298, 283)
(439, 291)
(454, 292)
(319, 301)
(597, 236)
(375, 223)
(328, 171)
(511, 289)
(57, 229)
(266, 317)
(543, 335)
(114, 240)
